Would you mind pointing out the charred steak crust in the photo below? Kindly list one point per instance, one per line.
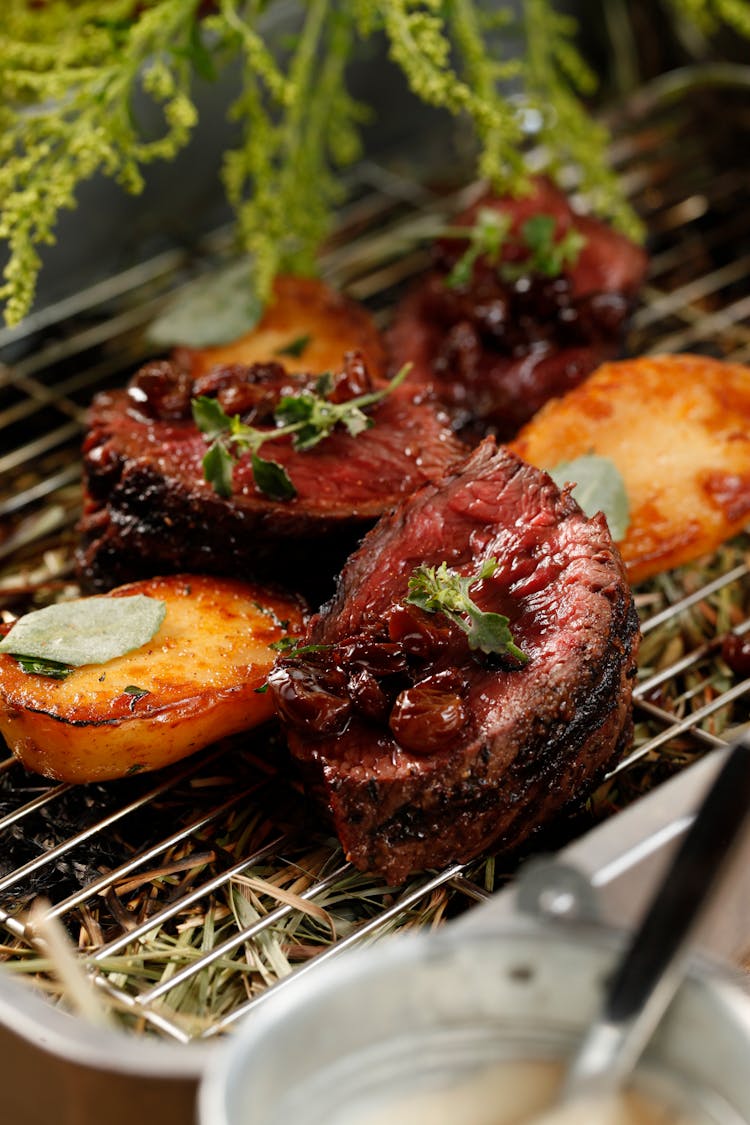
(534, 739)
(494, 351)
(149, 510)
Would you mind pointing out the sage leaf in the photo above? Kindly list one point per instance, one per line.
(214, 309)
(599, 487)
(86, 631)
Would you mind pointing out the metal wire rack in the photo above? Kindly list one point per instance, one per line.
(195, 893)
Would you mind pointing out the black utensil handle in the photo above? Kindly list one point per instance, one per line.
(679, 901)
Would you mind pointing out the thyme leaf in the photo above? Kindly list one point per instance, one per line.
(308, 418)
(272, 479)
(218, 464)
(443, 590)
(546, 256)
(487, 236)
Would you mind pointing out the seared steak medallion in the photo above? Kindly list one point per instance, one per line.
(149, 509)
(425, 751)
(495, 350)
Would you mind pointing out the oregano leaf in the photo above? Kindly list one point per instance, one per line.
(272, 479)
(218, 466)
(443, 590)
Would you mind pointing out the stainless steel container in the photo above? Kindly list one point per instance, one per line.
(428, 1011)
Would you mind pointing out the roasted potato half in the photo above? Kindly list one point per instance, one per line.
(316, 322)
(199, 675)
(678, 429)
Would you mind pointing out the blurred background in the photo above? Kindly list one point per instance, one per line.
(629, 43)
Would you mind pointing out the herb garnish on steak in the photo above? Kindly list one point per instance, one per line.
(536, 300)
(425, 750)
(149, 508)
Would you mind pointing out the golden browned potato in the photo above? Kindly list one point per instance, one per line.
(311, 317)
(678, 429)
(198, 675)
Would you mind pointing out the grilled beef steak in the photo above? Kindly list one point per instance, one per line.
(495, 350)
(149, 509)
(425, 751)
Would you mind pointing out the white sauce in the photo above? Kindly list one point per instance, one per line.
(510, 1093)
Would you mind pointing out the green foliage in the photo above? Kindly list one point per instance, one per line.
(209, 310)
(53, 669)
(710, 14)
(68, 77)
(487, 237)
(69, 71)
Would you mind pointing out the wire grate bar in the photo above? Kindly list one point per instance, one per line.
(368, 929)
(690, 724)
(705, 326)
(666, 718)
(240, 938)
(81, 837)
(188, 900)
(706, 591)
(29, 453)
(44, 488)
(131, 1004)
(673, 302)
(33, 806)
(690, 660)
(143, 857)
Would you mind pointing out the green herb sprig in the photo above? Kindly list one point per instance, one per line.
(442, 590)
(308, 418)
(490, 235)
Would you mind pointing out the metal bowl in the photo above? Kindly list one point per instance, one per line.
(428, 1011)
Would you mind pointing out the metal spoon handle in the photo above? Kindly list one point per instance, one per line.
(648, 975)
